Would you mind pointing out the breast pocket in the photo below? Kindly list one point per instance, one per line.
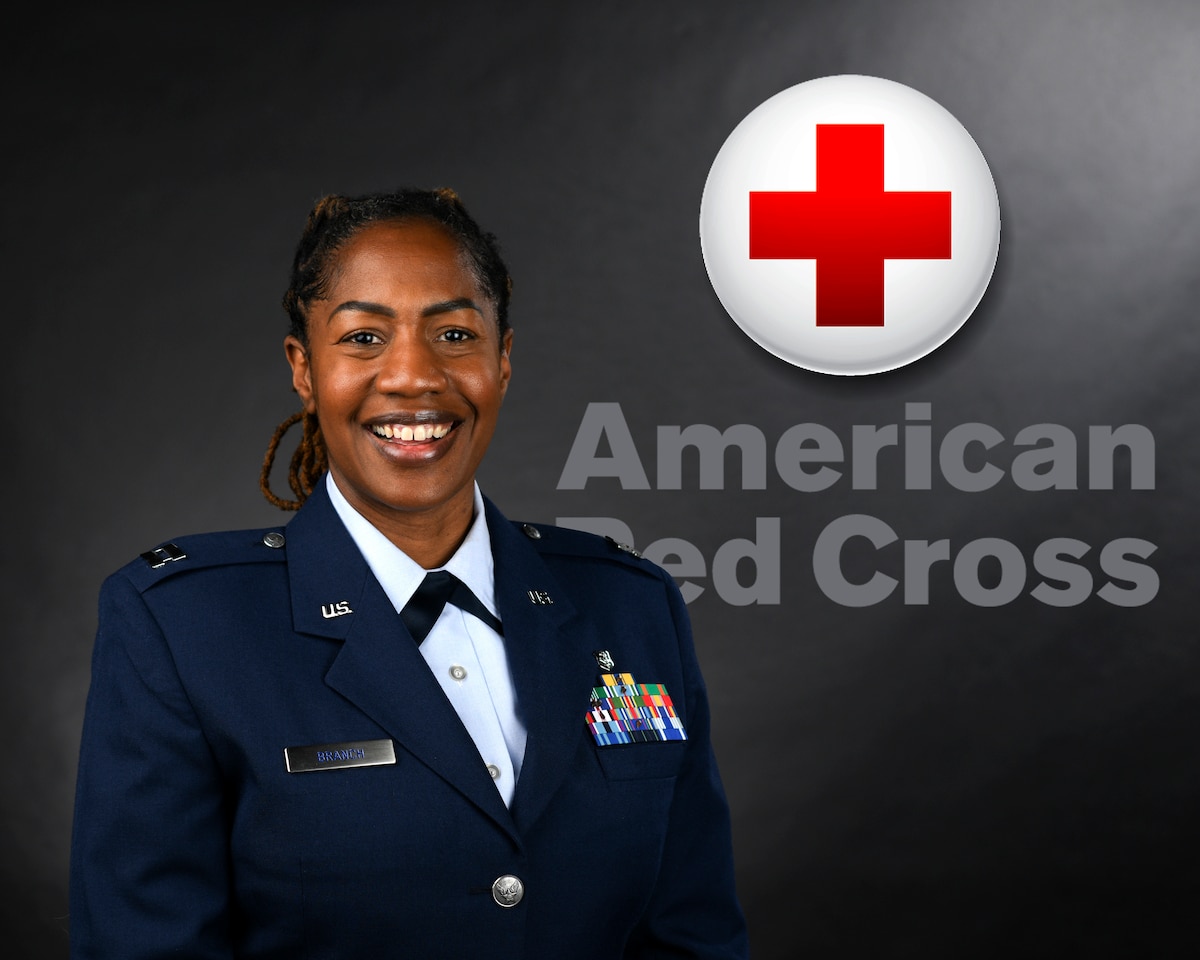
(641, 761)
(636, 728)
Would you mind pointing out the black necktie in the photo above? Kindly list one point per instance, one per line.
(437, 589)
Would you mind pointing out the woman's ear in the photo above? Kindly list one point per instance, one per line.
(505, 365)
(297, 357)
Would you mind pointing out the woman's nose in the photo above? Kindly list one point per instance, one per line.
(411, 367)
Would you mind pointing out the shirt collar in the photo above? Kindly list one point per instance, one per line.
(400, 575)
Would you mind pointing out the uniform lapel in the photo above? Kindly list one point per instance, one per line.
(549, 652)
(379, 668)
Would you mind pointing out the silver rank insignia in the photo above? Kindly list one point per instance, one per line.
(161, 556)
(624, 547)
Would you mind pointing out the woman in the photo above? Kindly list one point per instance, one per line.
(300, 743)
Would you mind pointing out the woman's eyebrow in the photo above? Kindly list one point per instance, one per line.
(449, 306)
(363, 306)
(443, 306)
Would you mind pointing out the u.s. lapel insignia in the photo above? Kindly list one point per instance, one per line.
(624, 711)
(339, 609)
(540, 597)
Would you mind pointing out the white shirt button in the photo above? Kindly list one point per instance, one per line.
(458, 673)
(494, 771)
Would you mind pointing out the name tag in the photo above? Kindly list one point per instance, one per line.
(338, 756)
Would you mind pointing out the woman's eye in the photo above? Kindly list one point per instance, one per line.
(362, 338)
(456, 335)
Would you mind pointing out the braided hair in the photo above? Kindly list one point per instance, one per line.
(332, 223)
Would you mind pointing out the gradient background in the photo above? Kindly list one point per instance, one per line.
(940, 781)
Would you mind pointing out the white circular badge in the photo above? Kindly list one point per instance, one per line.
(850, 225)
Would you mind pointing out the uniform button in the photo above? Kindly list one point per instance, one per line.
(508, 890)
(274, 539)
(458, 673)
(494, 771)
(532, 532)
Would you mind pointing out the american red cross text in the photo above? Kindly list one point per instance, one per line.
(849, 225)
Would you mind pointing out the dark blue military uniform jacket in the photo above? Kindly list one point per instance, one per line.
(192, 838)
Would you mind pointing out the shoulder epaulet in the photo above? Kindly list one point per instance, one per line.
(563, 540)
(204, 550)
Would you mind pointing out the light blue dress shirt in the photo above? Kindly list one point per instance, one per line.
(467, 657)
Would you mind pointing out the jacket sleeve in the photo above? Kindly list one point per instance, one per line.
(694, 911)
(149, 862)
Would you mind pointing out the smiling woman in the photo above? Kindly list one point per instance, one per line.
(466, 687)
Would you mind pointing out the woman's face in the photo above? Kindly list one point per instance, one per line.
(405, 370)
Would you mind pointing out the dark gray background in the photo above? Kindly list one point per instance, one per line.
(939, 781)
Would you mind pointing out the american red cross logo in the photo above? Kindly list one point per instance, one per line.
(850, 225)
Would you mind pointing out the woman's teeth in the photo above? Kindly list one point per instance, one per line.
(422, 431)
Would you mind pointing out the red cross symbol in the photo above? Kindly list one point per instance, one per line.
(850, 225)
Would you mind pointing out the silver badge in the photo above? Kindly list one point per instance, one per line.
(605, 659)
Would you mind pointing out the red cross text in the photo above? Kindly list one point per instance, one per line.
(850, 225)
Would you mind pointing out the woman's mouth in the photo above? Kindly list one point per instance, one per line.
(421, 433)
